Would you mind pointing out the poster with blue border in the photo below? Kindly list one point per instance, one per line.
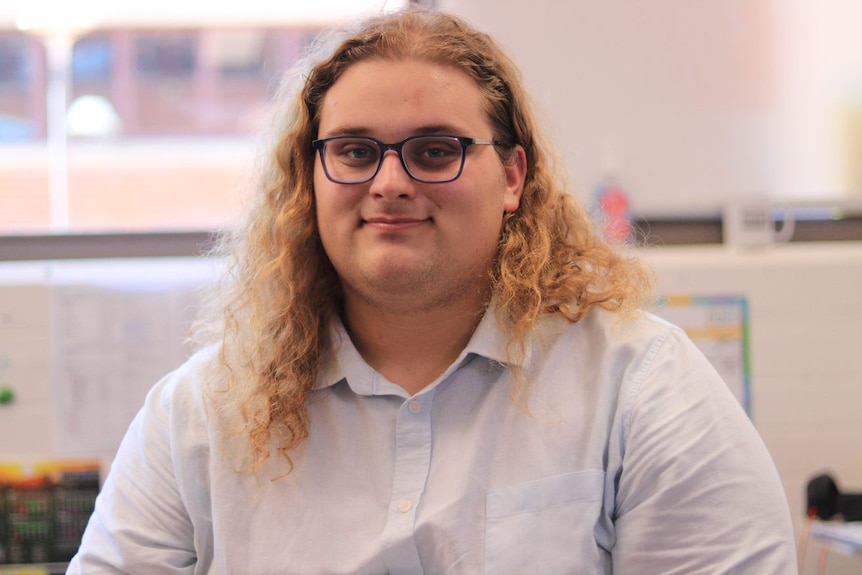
(718, 326)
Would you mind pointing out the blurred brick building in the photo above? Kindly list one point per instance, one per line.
(185, 102)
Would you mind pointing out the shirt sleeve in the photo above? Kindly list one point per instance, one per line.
(140, 524)
(697, 491)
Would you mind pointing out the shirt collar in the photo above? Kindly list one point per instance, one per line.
(489, 341)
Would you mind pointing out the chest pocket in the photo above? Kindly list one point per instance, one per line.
(545, 526)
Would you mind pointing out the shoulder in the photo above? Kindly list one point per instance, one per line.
(610, 339)
(183, 393)
(656, 359)
(628, 363)
(603, 364)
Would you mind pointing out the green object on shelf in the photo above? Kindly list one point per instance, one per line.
(7, 395)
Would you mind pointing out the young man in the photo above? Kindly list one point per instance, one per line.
(427, 361)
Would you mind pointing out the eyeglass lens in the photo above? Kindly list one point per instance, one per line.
(427, 158)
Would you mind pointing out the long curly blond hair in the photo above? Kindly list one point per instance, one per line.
(281, 291)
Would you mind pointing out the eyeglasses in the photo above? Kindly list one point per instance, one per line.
(426, 159)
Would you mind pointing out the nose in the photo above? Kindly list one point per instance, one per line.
(392, 180)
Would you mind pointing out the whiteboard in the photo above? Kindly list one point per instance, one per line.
(83, 341)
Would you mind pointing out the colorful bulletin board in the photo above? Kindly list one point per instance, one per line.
(719, 326)
(44, 509)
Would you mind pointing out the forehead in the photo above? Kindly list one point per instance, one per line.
(398, 98)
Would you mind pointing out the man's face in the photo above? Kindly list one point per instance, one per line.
(394, 239)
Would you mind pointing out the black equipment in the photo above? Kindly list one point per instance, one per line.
(826, 501)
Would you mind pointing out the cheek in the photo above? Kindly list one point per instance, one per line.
(325, 228)
(325, 200)
(480, 220)
(485, 209)
(336, 211)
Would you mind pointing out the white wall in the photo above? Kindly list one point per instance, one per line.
(698, 102)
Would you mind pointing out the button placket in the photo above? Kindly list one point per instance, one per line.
(412, 465)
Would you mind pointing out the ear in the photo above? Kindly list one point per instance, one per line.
(516, 172)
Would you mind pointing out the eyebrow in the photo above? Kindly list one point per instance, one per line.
(364, 131)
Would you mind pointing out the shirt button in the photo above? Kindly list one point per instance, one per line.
(405, 505)
(415, 406)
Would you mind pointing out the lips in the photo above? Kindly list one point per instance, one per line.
(392, 223)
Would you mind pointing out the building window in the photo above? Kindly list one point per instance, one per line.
(153, 128)
(166, 54)
(92, 59)
(13, 66)
(20, 102)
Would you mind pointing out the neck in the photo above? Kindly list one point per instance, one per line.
(412, 347)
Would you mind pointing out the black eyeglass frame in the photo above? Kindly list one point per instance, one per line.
(397, 147)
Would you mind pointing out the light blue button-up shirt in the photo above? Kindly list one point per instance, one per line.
(629, 455)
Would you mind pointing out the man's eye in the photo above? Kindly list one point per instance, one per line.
(440, 150)
(435, 152)
(355, 152)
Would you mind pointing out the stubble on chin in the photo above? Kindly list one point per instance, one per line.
(416, 290)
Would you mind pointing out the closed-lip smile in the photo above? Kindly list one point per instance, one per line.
(393, 223)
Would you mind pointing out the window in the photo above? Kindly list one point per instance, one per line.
(13, 71)
(92, 59)
(162, 100)
(166, 55)
(20, 107)
(157, 126)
